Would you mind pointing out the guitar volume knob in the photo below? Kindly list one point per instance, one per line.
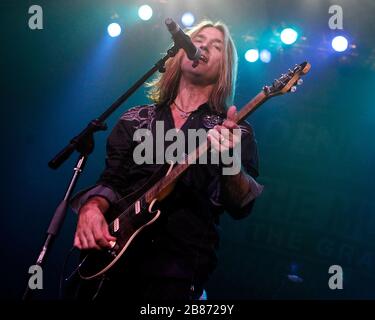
(112, 243)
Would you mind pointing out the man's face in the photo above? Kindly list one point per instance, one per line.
(211, 43)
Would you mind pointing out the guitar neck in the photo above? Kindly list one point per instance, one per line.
(193, 157)
(251, 106)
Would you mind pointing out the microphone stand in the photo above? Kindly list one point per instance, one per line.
(83, 143)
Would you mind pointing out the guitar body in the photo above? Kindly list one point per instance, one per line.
(126, 219)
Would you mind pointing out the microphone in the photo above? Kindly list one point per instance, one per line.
(183, 40)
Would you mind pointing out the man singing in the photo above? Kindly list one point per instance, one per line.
(174, 256)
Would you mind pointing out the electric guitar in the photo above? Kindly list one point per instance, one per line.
(131, 214)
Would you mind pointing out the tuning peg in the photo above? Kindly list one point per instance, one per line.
(290, 72)
(293, 89)
(300, 81)
(267, 90)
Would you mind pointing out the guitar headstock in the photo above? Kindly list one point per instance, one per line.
(288, 82)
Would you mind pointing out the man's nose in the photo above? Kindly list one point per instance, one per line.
(204, 47)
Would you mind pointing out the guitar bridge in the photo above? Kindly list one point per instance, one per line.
(112, 253)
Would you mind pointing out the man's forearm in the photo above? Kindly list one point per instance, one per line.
(239, 189)
(97, 201)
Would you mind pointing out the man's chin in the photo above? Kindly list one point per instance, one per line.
(200, 79)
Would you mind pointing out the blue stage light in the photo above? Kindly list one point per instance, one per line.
(252, 55)
(187, 19)
(265, 56)
(114, 29)
(339, 44)
(145, 12)
(288, 36)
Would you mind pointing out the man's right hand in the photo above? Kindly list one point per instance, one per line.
(92, 228)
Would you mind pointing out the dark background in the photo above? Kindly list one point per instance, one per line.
(316, 146)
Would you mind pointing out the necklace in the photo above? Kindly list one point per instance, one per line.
(183, 114)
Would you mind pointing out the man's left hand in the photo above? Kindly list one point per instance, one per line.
(222, 137)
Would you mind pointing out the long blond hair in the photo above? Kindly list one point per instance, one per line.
(164, 88)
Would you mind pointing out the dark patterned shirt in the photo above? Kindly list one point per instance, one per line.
(183, 241)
